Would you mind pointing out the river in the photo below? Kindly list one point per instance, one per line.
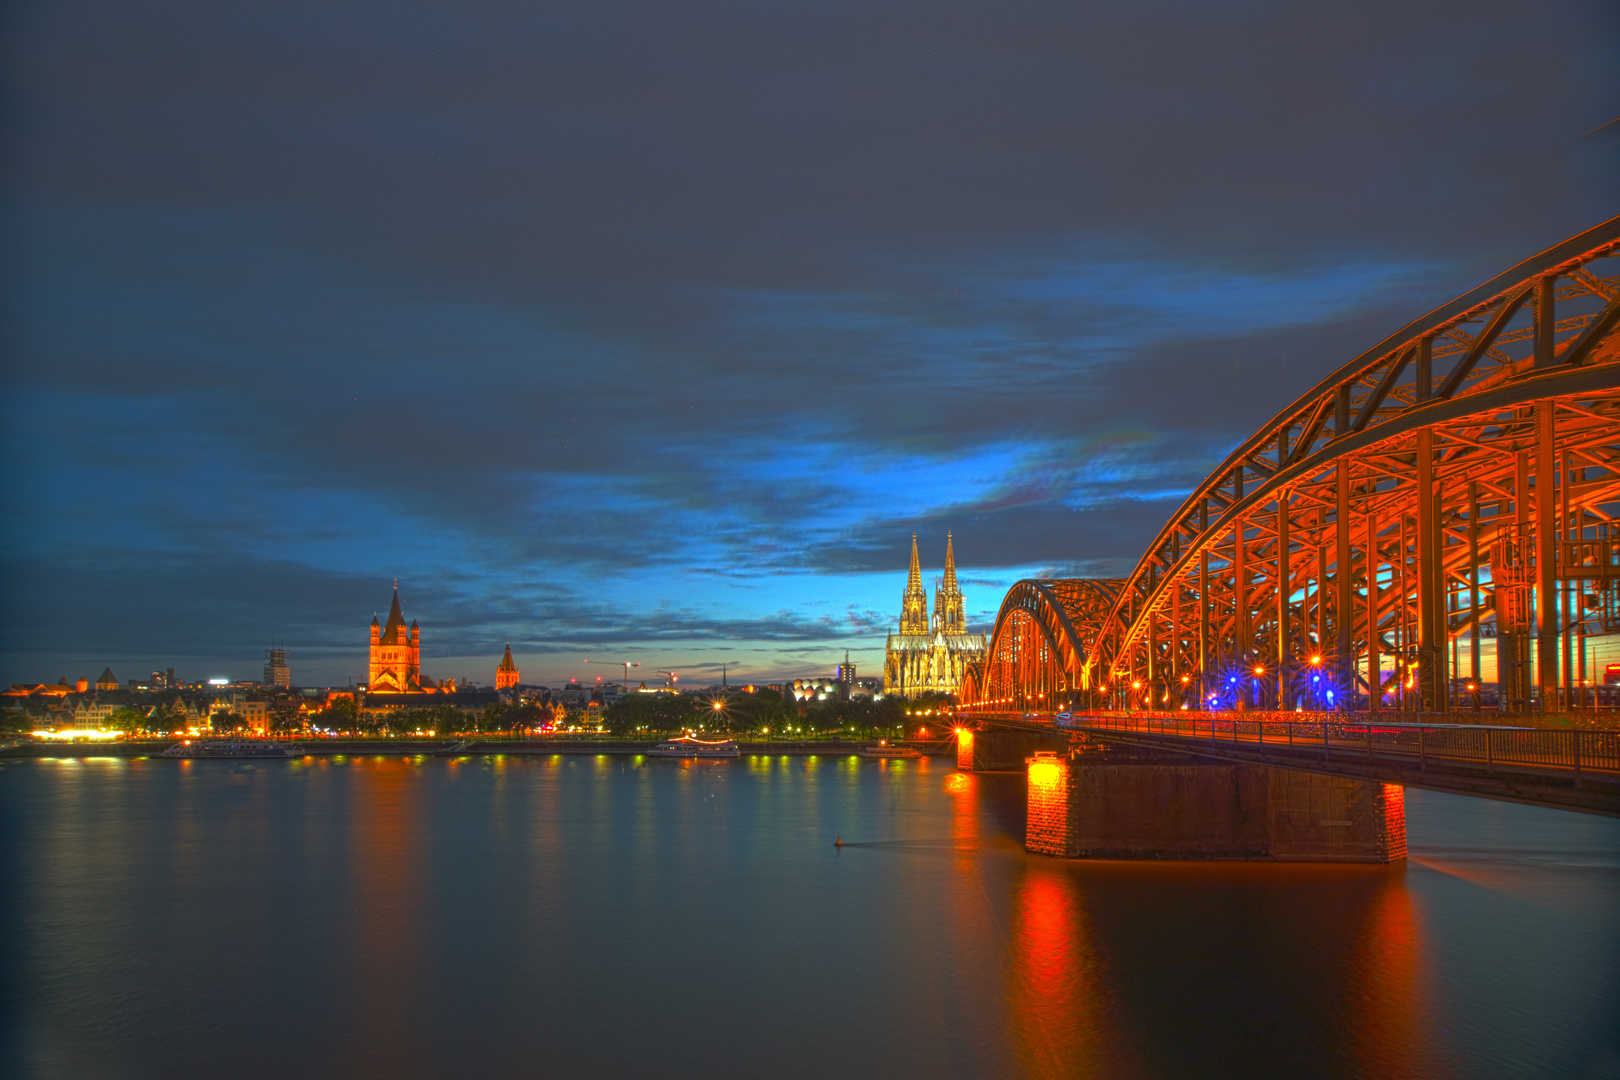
(625, 917)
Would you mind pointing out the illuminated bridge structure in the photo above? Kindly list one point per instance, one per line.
(1456, 483)
(1435, 516)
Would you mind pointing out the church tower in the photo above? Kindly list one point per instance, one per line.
(507, 673)
(914, 604)
(949, 615)
(396, 653)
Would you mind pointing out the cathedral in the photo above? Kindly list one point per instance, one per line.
(396, 654)
(924, 658)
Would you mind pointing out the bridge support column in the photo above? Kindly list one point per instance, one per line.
(1004, 751)
(1138, 805)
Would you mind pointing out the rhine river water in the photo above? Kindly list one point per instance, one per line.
(625, 917)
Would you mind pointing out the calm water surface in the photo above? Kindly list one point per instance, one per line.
(619, 917)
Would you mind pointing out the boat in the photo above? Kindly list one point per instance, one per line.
(689, 746)
(886, 752)
(256, 749)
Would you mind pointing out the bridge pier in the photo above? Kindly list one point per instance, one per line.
(993, 750)
(1147, 805)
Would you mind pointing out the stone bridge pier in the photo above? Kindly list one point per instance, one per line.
(1130, 804)
(1002, 750)
(1091, 800)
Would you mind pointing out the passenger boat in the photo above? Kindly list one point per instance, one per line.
(885, 751)
(688, 746)
(257, 749)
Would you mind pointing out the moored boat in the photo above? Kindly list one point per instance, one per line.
(688, 746)
(886, 752)
(257, 749)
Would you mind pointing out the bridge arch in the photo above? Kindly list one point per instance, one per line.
(1457, 483)
(1039, 650)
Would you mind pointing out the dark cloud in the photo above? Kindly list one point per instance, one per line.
(639, 322)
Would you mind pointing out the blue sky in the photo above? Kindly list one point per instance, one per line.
(654, 331)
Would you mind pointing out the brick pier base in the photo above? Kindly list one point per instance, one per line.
(1100, 806)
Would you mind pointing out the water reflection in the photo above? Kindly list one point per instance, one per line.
(385, 918)
(1053, 976)
(600, 916)
(1388, 1007)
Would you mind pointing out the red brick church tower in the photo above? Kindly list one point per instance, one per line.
(507, 674)
(396, 654)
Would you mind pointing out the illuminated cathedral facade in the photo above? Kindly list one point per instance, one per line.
(924, 657)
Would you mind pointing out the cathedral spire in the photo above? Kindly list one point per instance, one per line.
(949, 609)
(914, 605)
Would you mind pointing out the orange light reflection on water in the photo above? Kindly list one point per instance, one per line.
(1053, 989)
(1387, 997)
(387, 916)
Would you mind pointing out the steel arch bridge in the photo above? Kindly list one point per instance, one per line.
(1041, 649)
(1456, 483)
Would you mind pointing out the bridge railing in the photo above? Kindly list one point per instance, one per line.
(1490, 746)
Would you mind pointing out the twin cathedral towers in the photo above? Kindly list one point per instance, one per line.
(926, 657)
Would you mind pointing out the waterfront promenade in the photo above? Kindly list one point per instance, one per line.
(461, 747)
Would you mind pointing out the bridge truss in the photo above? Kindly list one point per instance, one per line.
(1457, 484)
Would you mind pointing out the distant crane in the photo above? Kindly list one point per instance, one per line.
(673, 678)
(627, 665)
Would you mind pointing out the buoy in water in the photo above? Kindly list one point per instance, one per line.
(839, 842)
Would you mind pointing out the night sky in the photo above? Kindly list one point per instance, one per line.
(652, 331)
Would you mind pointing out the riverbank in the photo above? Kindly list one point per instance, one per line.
(135, 748)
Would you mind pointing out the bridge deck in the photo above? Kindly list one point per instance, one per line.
(1563, 769)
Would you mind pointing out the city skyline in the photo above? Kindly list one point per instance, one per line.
(554, 667)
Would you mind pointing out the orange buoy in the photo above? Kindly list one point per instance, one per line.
(838, 842)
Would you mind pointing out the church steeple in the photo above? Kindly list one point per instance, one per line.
(396, 622)
(507, 673)
(914, 605)
(949, 607)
